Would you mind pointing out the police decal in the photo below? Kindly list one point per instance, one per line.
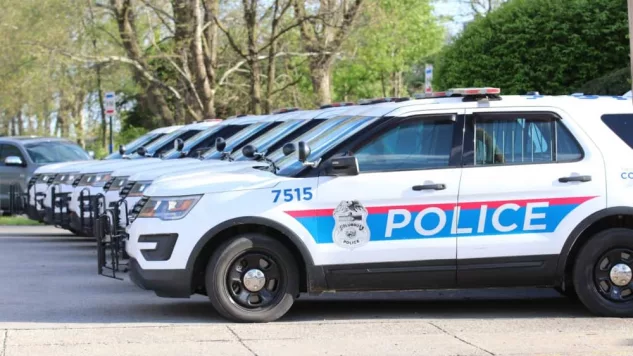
(350, 225)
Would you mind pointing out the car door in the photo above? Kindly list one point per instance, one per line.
(389, 227)
(530, 176)
(10, 175)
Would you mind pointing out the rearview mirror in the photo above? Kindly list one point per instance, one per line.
(220, 144)
(91, 154)
(13, 161)
(342, 166)
(249, 151)
(121, 149)
(289, 148)
(179, 144)
(303, 151)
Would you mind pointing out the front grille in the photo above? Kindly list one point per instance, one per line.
(33, 180)
(76, 181)
(126, 190)
(137, 208)
(108, 184)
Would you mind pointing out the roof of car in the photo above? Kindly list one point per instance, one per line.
(31, 139)
(166, 130)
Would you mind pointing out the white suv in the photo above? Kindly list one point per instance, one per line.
(470, 190)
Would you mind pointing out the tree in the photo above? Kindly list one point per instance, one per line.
(323, 32)
(550, 46)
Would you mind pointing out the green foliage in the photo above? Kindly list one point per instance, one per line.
(17, 221)
(550, 46)
(614, 83)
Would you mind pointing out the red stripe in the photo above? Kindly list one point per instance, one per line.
(447, 206)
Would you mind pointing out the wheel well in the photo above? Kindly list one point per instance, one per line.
(200, 263)
(607, 222)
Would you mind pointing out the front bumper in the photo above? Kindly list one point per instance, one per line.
(174, 283)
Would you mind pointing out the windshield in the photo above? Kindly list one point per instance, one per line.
(53, 152)
(131, 147)
(245, 134)
(163, 143)
(290, 165)
(270, 137)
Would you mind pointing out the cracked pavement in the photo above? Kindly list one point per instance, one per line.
(52, 302)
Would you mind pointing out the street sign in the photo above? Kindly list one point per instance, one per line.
(109, 103)
(428, 78)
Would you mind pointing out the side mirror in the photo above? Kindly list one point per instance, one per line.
(121, 149)
(342, 166)
(303, 151)
(141, 151)
(289, 148)
(91, 154)
(179, 144)
(14, 161)
(249, 151)
(220, 144)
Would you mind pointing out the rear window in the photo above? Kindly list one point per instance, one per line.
(621, 125)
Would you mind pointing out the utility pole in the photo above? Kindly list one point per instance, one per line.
(630, 7)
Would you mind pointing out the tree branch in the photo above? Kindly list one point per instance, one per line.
(232, 42)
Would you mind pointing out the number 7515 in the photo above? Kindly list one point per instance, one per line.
(293, 194)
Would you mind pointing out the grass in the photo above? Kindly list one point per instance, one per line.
(17, 220)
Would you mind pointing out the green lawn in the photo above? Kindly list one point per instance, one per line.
(17, 220)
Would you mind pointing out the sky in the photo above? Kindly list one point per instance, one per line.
(459, 10)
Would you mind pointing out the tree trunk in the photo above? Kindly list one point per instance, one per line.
(125, 20)
(211, 48)
(20, 122)
(79, 119)
(320, 76)
(104, 124)
(199, 66)
(250, 18)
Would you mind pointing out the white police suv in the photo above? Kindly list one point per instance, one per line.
(473, 189)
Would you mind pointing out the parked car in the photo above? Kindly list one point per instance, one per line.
(22, 155)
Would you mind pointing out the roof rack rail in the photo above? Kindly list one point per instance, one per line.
(382, 100)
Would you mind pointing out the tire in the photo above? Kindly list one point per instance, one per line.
(79, 233)
(224, 263)
(588, 263)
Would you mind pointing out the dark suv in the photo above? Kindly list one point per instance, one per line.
(21, 156)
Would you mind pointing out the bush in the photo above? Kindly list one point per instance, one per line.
(550, 46)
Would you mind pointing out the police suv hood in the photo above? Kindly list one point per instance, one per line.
(63, 166)
(217, 182)
(109, 166)
(202, 168)
(156, 165)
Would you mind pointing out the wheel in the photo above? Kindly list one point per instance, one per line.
(252, 278)
(603, 274)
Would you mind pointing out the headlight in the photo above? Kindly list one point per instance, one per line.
(138, 188)
(117, 183)
(65, 178)
(169, 208)
(95, 180)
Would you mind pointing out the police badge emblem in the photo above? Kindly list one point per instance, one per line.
(350, 225)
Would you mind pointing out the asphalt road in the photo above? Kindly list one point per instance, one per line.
(52, 302)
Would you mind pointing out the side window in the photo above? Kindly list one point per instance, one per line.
(516, 139)
(7, 150)
(412, 144)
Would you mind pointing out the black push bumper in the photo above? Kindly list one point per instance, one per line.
(165, 283)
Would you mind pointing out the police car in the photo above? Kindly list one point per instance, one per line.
(305, 125)
(64, 172)
(466, 188)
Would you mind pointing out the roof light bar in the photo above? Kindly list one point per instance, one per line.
(285, 110)
(336, 105)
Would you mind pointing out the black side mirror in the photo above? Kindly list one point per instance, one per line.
(220, 144)
(249, 151)
(121, 149)
(141, 151)
(289, 148)
(303, 151)
(342, 166)
(179, 144)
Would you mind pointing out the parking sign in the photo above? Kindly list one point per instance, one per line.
(428, 78)
(110, 103)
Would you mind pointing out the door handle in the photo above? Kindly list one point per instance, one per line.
(429, 187)
(575, 179)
